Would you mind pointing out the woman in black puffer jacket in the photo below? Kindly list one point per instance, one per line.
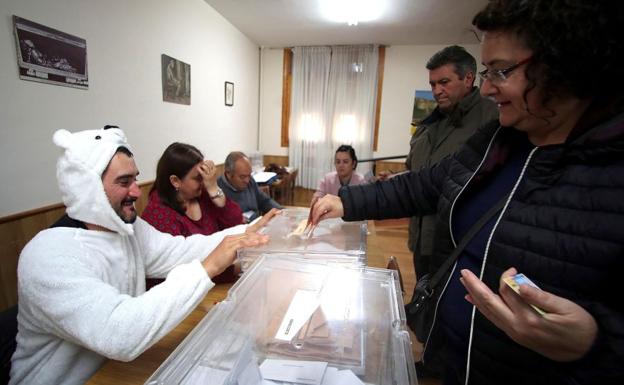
(558, 152)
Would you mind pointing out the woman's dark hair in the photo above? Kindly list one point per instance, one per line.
(576, 44)
(178, 159)
(350, 150)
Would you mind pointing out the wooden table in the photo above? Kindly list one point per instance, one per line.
(384, 239)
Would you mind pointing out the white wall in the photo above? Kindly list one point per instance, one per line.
(271, 71)
(404, 73)
(125, 40)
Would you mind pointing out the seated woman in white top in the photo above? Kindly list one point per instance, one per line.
(345, 162)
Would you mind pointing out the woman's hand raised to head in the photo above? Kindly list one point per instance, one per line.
(208, 172)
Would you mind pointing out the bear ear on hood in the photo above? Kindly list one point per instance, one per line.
(63, 138)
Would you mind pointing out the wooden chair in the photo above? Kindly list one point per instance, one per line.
(291, 186)
(283, 190)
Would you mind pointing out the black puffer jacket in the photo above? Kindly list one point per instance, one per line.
(563, 227)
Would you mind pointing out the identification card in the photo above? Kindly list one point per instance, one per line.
(518, 280)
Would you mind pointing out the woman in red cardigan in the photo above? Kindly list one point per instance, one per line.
(186, 199)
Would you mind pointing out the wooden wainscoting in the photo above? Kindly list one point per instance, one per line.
(280, 160)
(142, 201)
(393, 167)
(15, 232)
(18, 229)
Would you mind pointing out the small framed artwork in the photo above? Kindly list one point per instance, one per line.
(229, 94)
(176, 80)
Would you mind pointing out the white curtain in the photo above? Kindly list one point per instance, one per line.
(333, 102)
(308, 144)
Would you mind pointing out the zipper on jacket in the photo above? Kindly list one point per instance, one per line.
(435, 312)
(485, 255)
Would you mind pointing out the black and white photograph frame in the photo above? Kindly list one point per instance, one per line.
(47, 55)
(176, 80)
(229, 93)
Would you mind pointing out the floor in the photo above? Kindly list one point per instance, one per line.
(302, 197)
(391, 236)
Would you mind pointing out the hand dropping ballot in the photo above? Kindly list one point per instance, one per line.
(514, 282)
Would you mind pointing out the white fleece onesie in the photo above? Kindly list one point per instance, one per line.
(82, 295)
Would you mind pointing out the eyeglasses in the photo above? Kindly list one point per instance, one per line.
(499, 76)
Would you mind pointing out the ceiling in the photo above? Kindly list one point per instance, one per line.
(285, 23)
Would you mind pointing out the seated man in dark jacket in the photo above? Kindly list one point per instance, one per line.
(238, 185)
(558, 157)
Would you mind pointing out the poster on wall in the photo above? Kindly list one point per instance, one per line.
(50, 56)
(176, 81)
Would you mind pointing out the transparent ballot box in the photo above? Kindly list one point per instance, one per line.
(299, 321)
(333, 239)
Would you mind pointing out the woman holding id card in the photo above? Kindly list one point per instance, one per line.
(557, 151)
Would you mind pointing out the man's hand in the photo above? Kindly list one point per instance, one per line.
(225, 253)
(565, 333)
(329, 206)
(262, 221)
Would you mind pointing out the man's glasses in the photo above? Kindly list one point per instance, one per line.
(499, 76)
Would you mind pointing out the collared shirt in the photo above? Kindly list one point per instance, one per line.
(331, 183)
(251, 200)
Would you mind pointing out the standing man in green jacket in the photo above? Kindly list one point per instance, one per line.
(460, 111)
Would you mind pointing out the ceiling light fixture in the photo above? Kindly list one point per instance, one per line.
(352, 11)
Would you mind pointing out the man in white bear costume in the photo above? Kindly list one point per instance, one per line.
(81, 283)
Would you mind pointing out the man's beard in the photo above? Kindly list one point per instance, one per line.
(119, 210)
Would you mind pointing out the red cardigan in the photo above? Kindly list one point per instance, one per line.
(165, 219)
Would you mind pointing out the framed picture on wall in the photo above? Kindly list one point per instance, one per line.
(50, 56)
(229, 94)
(176, 81)
(424, 104)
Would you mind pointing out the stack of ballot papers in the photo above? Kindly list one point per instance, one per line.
(263, 176)
(305, 372)
(272, 371)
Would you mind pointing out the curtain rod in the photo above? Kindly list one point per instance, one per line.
(325, 45)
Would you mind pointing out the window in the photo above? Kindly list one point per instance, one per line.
(346, 122)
